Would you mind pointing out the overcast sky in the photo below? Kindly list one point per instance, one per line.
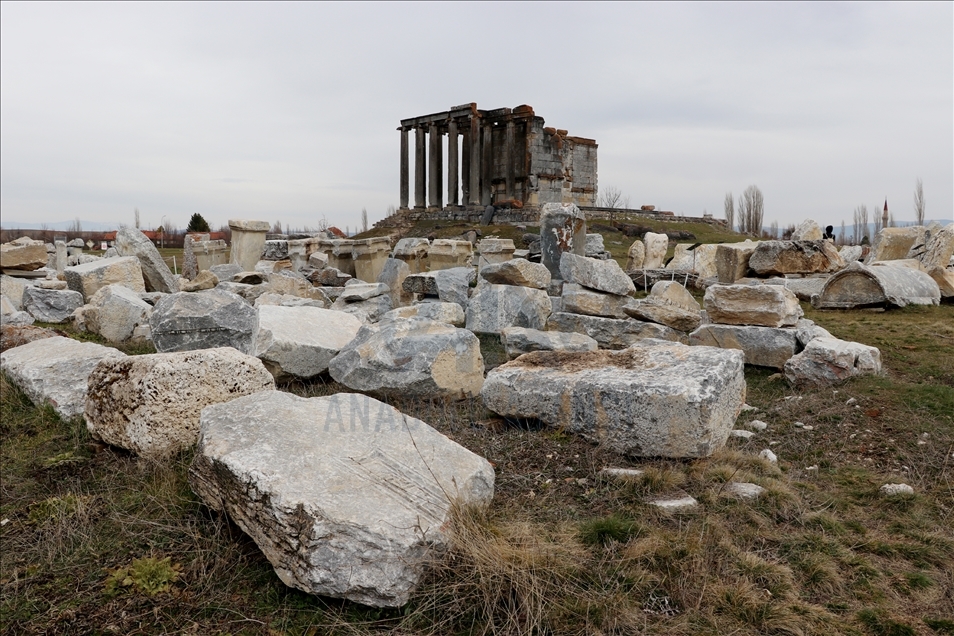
(288, 112)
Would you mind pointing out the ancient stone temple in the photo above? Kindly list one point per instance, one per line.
(502, 157)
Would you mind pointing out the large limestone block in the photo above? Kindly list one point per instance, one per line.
(939, 247)
(89, 278)
(762, 305)
(155, 272)
(51, 305)
(795, 257)
(652, 399)
(803, 288)
(701, 260)
(369, 256)
(656, 247)
(664, 313)
(580, 300)
(763, 346)
(808, 230)
(413, 251)
(294, 284)
(346, 496)
(188, 321)
(635, 255)
(519, 272)
(448, 313)
(393, 274)
(494, 307)
(605, 276)
(893, 243)
(877, 285)
(299, 342)
(55, 371)
(150, 404)
(732, 260)
(367, 311)
(248, 242)
(829, 360)
(851, 253)
(675, 294)
(493, 251)
(594, 246)
(25, 257)
(412, 357)
(517, 341)
(356, 292)
(449, 253)
(612, 333)
(944, 277)
(562, 229)
(115, 311)
(450, 285)
(13, 288)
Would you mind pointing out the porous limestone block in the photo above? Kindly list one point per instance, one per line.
(51, 305)
(187, 321)
(518, 272)
(605, 276)
(826, 361)
(299, 342)
(495, 307)
(155, 273)
(762, 305)
(763, 346)
(89, 278)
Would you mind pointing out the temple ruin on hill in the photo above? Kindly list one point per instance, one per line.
(506, 158)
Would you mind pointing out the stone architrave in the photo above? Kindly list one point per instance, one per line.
(55, 371)
(449, 253)
(656, 247)
(51, 305)
(519, 272)
(612, 333)
(636, 255)
(604, 276)
(89, 278)
(341, 256)
(493, 251)
(653, 399)
(150, 404)
(155, 272)
(517, 341)
(562, 229)
(413, 251)
(209, 254)
(248, 242)
(701, 260)
(393, 274)
(369, 256)
(761, 305)
(448, 313)
(23, 256)
(299, 342)
(795, 257)
(495, 307)
(732, 260)
(829, 360)
(763, 346)
(412, 357)
(346, 496)
(893, 243)
(580, 300)
(187, 321)
(115, 311)
(808, 230)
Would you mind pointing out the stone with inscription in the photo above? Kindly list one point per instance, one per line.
(187, 321)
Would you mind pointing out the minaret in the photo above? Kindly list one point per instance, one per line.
(884, 215)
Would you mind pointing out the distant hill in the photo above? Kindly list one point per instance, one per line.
(62, 226)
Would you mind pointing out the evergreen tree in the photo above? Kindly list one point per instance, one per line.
(198, 224)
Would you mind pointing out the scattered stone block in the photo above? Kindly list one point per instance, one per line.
(808, 230)
(867, 286)
(367, 311)
(761, 305)
(605, 276)
(150, 404)
(13, 290)
(413, 357)
(205, 320)
(652, 399)
(363, 291)
(674, 293)
(494, 251)
(299, 342)
(580, 300)
(701, 260)
(675, 504)
(448, 253)
(826, 361)
(413, 251)
(892, 243)
(203, 280)
(14, 335)
(448, 313)
(612, 333)
(393, 274)
(656, 310)
(51, 305)
(517, 341)
(369, 256)
(89, 278)
(939, 247)
(763, 346)
(562, 229)
(518, 272)
(155, 273)
(806, 331)
(248, 242)
(851, 253)
(115, 311)
(795, 257)
(55, 371)
(23, 256)
(495, 307)
(346, 496)
(635, 256)
(450, 285)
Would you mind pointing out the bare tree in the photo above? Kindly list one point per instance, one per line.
(876, 220)
(751, 211)
(75, 227)
(392, 210)
(891, 222)
(860, 216)
(364, 219)
(729, 207)
(919, 201)
(277, 227)
(841, 237)
(137, 218)
(773, 230)
(610, 197)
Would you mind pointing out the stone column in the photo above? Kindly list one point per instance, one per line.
(61, 256)
(405, 170)
(248, 241)
(420, 176)
(452, 183)
(434, 175)
(474, 197)
(486, 165)
(465, 167)
(508, 159)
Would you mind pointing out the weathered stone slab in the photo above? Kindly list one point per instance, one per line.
(830, 360)
(701, 260)
(606, 276)
(939, 247)
(803, 288)
(892, 243)
(150, 404)
(562, 229)
(55, 371)
(89, 278)
(449, 253)
(651, 399)
(795, 257)
(369, 256)
(517, 341)
(612, 333)
(346, 496)
(675, 294)
(248, 242)
(594, 246)
(493, 251)
(868, 286)
(763, 346)
(494, 307)
(205, 320)
(808, 230)
(416, 357)
(580, 300)
(329, 277)
(761, 305)
(635, 256)
(519, 272)
(202, 281)
(851, 253)
(448, 313)
(362, 291)
(155, 273)
(367, 311)
(450, 285)
(13, 290)
(299, 342)
(944, 279)
(656, 247)
(806, 331)
(393, 274)
(413, 251)
(659, 311)
(293, 283)
(25, 257)
(13, 317)
(115, 311)
(51, 305)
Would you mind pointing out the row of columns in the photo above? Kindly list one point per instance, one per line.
(477, 160)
